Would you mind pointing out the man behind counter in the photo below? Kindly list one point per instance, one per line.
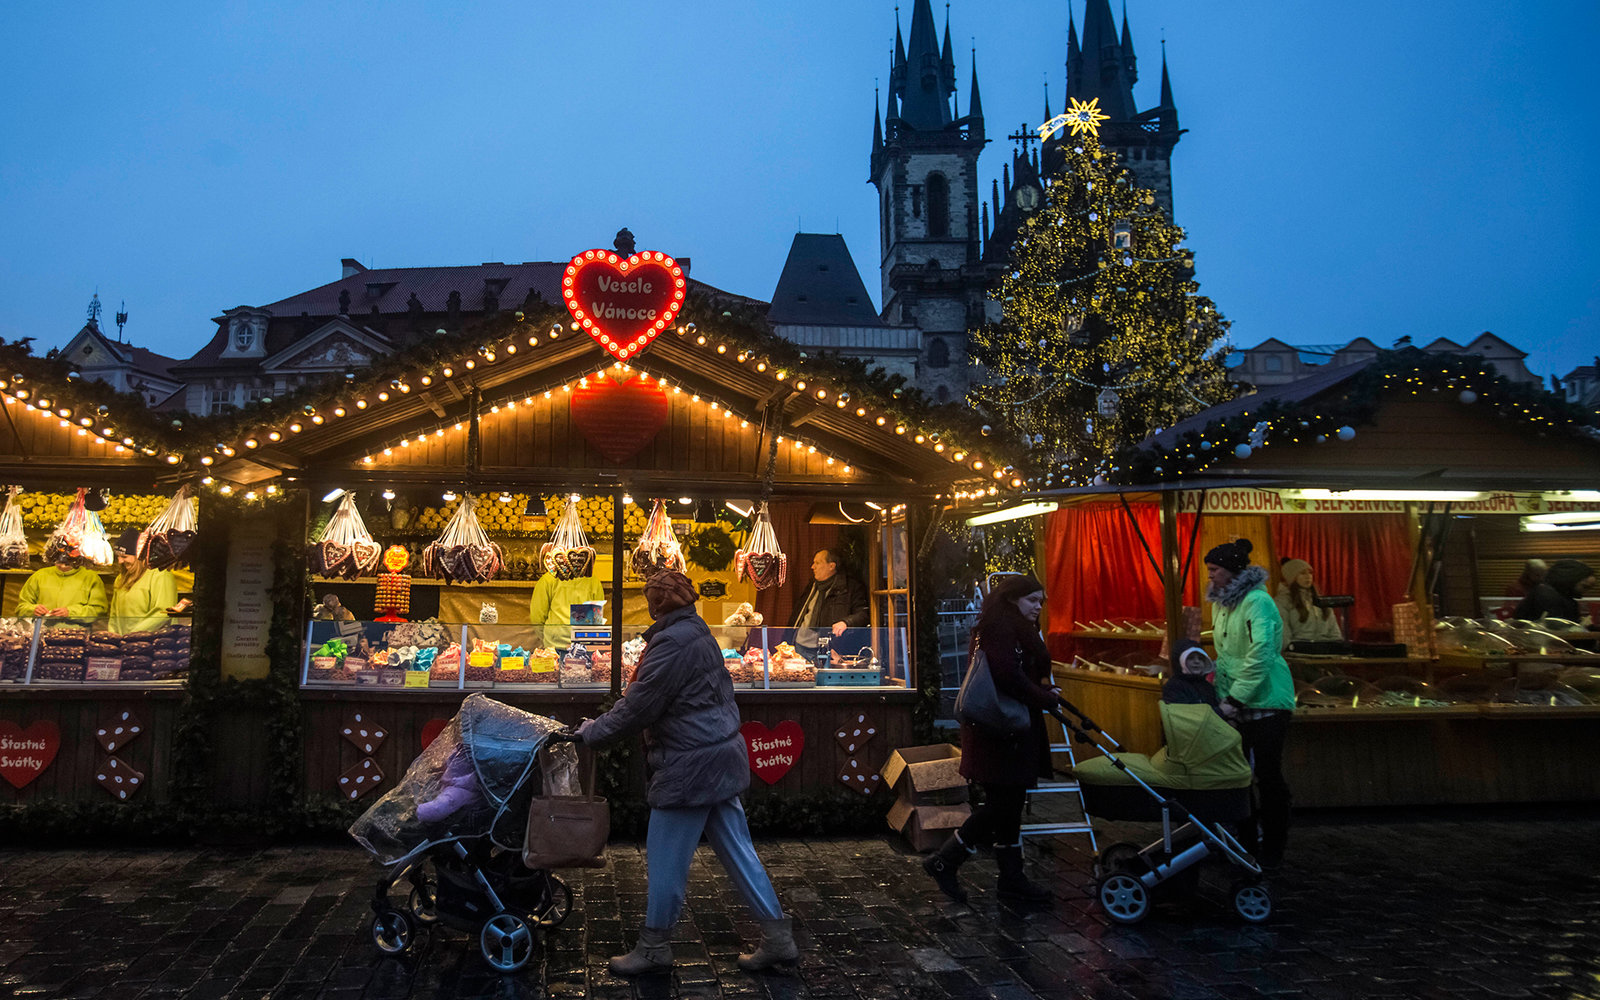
(833, 605)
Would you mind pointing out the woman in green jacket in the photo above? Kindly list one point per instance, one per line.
(140, 596)
(68, 589)
(1254, 684)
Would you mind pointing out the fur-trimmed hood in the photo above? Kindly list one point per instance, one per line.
(1234, 591)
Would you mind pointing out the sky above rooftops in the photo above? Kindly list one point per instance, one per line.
(1364, 168)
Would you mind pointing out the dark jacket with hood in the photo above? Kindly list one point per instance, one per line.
(1020, 666)
(682, 700)
(1557, 595)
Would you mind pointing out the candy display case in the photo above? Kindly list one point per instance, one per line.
(56, 651)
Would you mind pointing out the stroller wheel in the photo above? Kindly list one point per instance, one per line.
(424, 894)
(1123, 897)
(393, 931)
(1121, 857)
(507, 942)
(1252, 902)
(559, 906)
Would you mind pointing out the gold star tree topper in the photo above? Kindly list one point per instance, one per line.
(1080, 117)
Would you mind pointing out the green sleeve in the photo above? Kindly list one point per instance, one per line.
(539, 603)
(28, 599)
(160, 594)
(92, 603)
(1252, 681)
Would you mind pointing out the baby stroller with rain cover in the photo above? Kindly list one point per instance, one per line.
(453, 829)
(1202, 762)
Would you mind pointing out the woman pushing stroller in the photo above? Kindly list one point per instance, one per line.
(681, 699)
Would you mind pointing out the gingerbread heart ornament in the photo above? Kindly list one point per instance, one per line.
(623, 302)
(25, 753)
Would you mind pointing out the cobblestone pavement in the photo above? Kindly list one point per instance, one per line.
(1422, 905)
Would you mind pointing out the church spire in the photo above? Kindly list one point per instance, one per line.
(877, 126)
(975, 103)
(1166, 84)
(1102, 72)
(926, 88)
(1074, 56)
(1129, 64)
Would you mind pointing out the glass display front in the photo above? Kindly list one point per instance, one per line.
(45, 651)
(435, 655)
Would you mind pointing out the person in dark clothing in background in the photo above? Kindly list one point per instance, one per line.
(833, 605)
(1557, 596)
(1005, 764)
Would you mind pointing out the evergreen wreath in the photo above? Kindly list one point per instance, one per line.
(710, 548)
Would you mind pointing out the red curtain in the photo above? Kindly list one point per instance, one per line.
(1367, 556)
(800, 540)
(1095, 567)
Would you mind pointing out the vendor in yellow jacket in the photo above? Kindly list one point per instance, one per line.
(140, 596)
(551, 605)
(67, 589)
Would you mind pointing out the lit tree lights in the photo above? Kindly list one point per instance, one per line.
(1104, 338)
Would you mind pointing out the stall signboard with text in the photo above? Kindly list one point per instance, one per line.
(1246, 500)
(773, 751)
(623, 302)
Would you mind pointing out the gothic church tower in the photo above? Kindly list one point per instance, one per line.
(925, 167)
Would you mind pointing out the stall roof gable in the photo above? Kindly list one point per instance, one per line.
(1289, 392)
(697, 370)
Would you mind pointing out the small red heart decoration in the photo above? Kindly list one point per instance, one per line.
(431, 730)
(619, 418)
(623, 302)
(773, 751)
(25, 753)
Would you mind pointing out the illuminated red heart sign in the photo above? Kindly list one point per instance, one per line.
(623, 302)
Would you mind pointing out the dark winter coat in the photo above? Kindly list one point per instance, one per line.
(1184, 689)
(1021, 669)
(682, 700)
(1557, 595)
(839, 599)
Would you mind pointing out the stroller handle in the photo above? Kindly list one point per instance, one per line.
(1085, 727)
(562, 736)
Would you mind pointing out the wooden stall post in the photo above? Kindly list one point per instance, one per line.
(1172, 585)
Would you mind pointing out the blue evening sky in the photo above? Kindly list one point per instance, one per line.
(1366, 167)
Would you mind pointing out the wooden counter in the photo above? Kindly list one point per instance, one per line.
(1343, 757)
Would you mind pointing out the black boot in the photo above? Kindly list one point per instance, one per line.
(1012, 883)
(942, 864)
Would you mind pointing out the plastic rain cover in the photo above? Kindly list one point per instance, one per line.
(475, 779)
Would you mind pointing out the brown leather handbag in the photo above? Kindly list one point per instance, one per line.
(568, 831)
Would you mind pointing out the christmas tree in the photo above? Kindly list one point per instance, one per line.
(1104, 338)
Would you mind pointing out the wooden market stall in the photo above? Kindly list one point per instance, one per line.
(526, 415)
(78, 722)
(1387, 477)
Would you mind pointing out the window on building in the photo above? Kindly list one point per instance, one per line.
(943, 395)
(938, 205)
(1274, 363)
(938, 354)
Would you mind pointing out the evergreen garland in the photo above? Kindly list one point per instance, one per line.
(1468, 379)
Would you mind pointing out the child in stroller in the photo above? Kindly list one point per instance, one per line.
(1203, 764)
(453, 829)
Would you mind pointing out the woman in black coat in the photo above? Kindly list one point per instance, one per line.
(1006, 765)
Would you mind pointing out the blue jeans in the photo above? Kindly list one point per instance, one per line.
(669, 848)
